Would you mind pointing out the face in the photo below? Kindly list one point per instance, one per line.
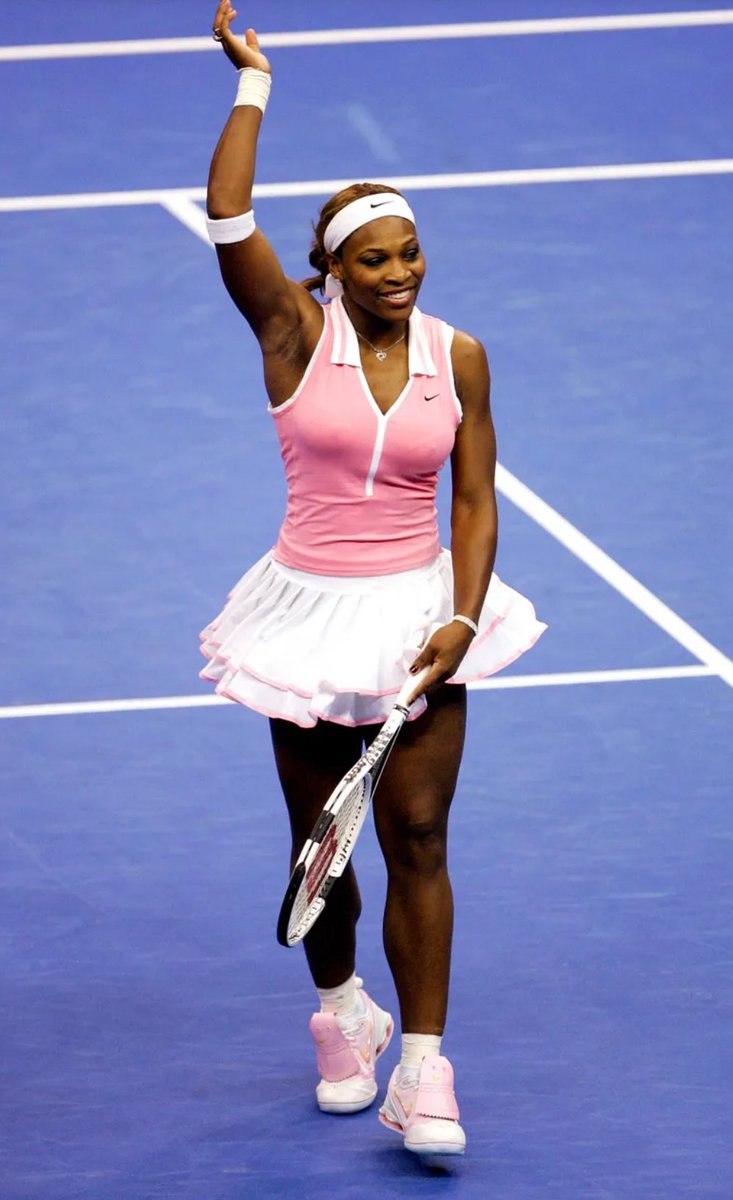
(381, 267)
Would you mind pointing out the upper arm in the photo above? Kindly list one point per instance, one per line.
(473, 460)
(278, 309)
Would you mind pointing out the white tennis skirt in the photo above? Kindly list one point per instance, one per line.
(307, 647)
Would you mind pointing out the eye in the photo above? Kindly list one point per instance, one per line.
(371, 262)
(412, 253)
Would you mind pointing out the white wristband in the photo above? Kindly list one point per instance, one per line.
(254, 88)
(231, 229)
(466, 621)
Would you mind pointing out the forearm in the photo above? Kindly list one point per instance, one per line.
(474, 529)
(232, 171)
(231, 175)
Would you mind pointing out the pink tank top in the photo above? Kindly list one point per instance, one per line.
(361, 484)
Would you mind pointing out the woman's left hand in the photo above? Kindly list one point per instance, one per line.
(443, 653)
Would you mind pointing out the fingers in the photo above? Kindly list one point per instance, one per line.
(241, 51)
(428, 669)
(414, 687)
(425, 658)
(435, 676)
(224, 15)
(426, 666)
(442, 655)
(425, 681)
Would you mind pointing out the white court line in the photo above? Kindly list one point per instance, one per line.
(189, 214)
(630, 675)
(76, 708)
(614, 574)
(385, 33)
(207, 699)
(170, 197)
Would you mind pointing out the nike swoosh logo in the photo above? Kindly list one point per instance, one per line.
(381, 204)
(432, 397)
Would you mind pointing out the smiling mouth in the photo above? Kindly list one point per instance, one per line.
(398, 295)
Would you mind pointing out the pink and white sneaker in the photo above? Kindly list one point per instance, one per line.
(348, 1049)
(421, 1105)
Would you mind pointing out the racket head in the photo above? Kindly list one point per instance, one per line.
(328, 849)
(324, 856)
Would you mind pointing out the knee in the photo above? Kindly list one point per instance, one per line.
(417, 846)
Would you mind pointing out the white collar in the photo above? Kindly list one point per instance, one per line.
(346, 344)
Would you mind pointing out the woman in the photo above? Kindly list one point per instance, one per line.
(369, 397)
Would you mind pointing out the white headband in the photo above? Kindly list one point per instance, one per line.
(353, 216)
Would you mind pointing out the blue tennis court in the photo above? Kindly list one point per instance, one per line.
(572, 186)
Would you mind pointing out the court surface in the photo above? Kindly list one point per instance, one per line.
(572, 185)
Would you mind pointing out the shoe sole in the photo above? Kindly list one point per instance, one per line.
(441, 1149)
(354, 1107)
(426, 1148)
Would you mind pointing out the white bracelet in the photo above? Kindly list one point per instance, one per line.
(253, 88)
(231, 229)
(466, 621)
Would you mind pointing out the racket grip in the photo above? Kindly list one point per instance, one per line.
(410, 686)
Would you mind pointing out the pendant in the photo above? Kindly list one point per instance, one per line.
(381, 354)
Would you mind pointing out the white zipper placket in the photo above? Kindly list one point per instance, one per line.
(382, 419)
(377, 454)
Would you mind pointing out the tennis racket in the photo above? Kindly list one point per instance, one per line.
(328, 849)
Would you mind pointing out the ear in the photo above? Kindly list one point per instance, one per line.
(335, 267)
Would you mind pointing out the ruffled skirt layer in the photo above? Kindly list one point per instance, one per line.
(306, 647)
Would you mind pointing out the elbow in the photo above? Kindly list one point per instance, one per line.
(225, 199)
(478, 507)
(218, 208)
(475, 519)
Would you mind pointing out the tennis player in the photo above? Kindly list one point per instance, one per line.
(370, 397)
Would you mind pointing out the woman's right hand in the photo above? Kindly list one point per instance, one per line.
(242, 52)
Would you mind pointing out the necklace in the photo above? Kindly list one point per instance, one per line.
(381, 354)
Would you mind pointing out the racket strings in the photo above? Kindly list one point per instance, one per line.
(321, 871)
(325, 859)
(349, 827)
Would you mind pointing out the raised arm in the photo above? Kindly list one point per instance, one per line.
(285, 318)
(473, 513)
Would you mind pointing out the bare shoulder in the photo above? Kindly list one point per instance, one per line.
(470, 365)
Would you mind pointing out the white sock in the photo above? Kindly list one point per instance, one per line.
(341, 1000)
(416, 1045)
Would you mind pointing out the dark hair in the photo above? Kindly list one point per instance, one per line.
(317, 256)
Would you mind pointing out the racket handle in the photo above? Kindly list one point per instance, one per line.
(410, 686)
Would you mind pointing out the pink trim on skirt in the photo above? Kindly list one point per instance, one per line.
(303, 647)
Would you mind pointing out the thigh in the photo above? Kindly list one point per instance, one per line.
(420, 778)
(310, 762)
